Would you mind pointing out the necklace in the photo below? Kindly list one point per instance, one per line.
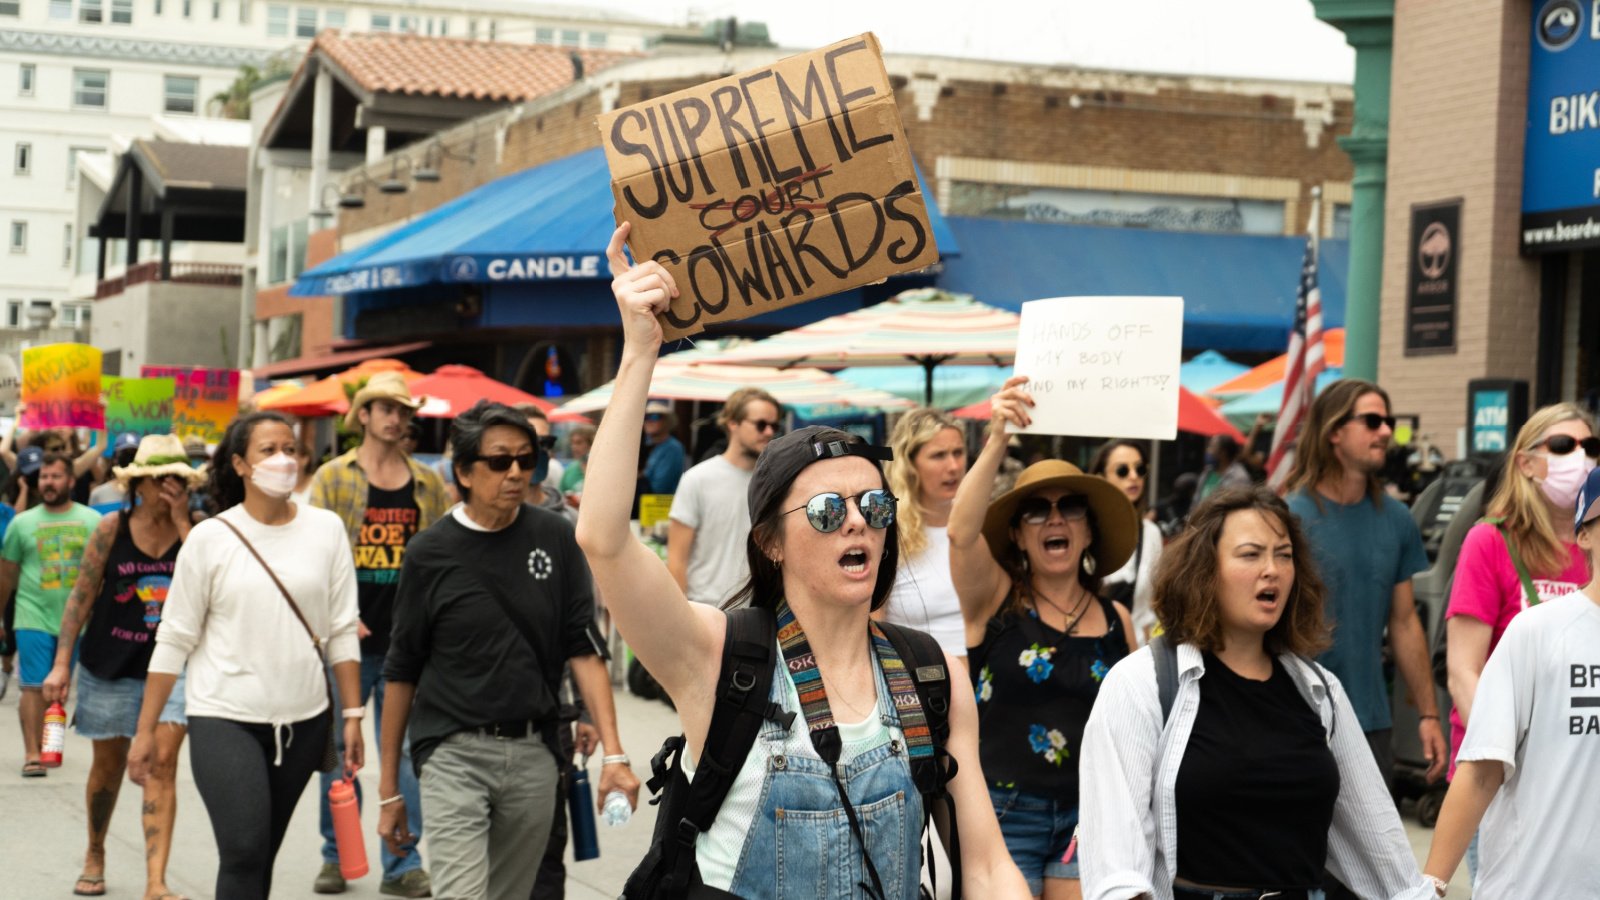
(1072, 617)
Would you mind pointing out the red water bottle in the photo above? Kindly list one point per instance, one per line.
(347, 829)
(55, 736)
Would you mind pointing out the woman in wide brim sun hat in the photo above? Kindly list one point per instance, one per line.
(1040, 637)
(160, 455)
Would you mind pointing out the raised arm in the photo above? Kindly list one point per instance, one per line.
(980, 582)
(678, 642)
(86, 460)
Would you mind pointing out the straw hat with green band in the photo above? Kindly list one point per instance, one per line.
(158, 455)
(1116, 524)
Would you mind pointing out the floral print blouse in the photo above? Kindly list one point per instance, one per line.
(1035, 687)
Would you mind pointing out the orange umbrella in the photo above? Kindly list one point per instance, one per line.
(454, 389)
(1270, 372)
(327, 397)
(1195, 416)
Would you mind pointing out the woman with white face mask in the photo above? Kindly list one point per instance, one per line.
(262, 601)
(1523, 553)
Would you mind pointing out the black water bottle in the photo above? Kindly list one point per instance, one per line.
(580, 805)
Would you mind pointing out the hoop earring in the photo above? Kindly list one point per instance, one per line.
(1088, 564)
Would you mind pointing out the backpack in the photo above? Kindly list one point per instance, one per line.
(1165, 653)
(749, 661)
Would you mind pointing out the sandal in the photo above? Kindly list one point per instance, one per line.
(96, 883)
(33, 769)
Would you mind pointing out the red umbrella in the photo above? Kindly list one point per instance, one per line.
(1195, 416)
(452, 390)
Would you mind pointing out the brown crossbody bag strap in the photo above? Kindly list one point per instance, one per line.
(330, 760)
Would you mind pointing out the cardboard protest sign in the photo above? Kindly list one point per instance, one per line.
(138, 405)
(10, 380)
(1102, 366)
(769, 188)
(205, 401)
(61, 387)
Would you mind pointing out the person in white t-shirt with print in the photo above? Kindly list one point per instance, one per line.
(707, 527)
(930, 459)
(1529, 768)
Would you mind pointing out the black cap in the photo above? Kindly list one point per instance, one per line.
(786, 456)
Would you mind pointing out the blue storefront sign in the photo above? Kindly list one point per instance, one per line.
(1561, 161)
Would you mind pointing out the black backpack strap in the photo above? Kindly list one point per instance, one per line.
(925, 660)
(743, 702)
(1166, 659)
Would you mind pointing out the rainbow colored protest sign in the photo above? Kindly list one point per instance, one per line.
(204, 402)
(61, 387)
(138, 405)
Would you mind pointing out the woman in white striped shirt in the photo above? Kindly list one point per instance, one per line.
(1259, 777)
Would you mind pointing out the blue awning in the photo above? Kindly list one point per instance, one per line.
(1238, 290)
(547, 223)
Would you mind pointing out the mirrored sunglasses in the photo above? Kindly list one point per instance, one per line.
(1036, 510)
(827, 512)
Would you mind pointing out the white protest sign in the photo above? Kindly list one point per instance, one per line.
(1102, 366)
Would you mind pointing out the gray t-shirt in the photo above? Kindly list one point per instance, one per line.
(712, 500)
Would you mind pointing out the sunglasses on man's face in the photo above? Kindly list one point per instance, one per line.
(501, 462)
(827, 512)
(1124, 470)
(764, 425)
(1562, 444)
(1373, 421)
(1036, 510)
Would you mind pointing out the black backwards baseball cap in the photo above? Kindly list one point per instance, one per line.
(1589, 500)
(786, 456)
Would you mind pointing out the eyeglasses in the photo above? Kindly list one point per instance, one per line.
(827, 512)
(1140, 470)
(764, 425)
(1562, 444)
(502, 462)
(1036, 510)
(1373, 421)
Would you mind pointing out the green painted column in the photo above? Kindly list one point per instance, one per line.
(1368, 26)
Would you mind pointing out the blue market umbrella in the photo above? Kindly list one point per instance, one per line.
(1208, 370)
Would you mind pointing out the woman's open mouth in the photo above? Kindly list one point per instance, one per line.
(854, 562)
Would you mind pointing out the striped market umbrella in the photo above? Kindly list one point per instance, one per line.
(924, 326)
(713, 382)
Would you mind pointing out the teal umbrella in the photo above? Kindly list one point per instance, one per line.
(953, 386)
(1208, 370)
(1242, 411)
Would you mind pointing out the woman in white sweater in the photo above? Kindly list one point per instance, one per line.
(257, 693)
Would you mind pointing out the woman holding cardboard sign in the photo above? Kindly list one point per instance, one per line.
(1040, 638)
(819, 800)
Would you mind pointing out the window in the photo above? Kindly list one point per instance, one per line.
(216, 10)
(122, 12)
(278, 255)
(298, 233)
(91, 12)
(494, 29)
(19, 236)
(305, 22)
(277, 21)
(90, 87)
(72, 163)
(472, 29)
(188, 9)
(544, 35)
(333, 18)
(181, 94)
(10, 7)
(75, 315)
(408, 25)
(24, 164)
(570, 37)
(66, 247)
(158, 7)
(61, 9)
(244, 12)
(597, 38)
(25, 76)
(444, 27)
(14, 313)
(382, 22)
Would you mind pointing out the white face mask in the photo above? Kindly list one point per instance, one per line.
(277, 474)
(1564, 477)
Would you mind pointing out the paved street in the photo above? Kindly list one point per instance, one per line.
(42, 824)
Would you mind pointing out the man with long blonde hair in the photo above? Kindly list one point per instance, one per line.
(1368, 549)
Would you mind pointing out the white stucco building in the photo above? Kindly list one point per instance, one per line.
(73, 73)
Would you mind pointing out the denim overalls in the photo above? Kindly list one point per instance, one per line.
(800, 844)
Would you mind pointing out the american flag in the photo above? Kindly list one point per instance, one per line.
(1305, 357)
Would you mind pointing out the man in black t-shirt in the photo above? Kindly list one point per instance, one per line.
(494, 600)
(385, 498)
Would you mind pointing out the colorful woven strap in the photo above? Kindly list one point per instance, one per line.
(807, 678)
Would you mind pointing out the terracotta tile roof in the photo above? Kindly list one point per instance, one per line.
(453, 67)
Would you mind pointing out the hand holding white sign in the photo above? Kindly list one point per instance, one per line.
(1102, 366)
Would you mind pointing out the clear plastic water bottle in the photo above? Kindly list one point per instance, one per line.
(617, 811)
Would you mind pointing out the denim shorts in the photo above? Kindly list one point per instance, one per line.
(36, 656)
(110, 709)
(1037, 831)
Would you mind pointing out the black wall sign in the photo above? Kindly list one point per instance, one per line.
(1435, 249)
